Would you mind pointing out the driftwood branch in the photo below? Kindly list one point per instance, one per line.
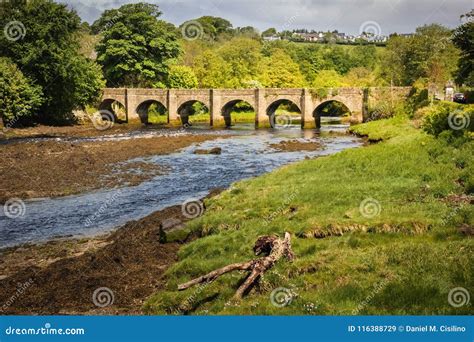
(272, 246)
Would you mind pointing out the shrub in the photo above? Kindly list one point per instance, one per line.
(19, 97)
(448, 119)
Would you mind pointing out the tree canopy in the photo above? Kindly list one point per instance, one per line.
(464, 40)
(19, 97)
(48, 54)
(137, 48)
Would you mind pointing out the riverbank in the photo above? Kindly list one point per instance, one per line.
(60, 277)
(385, 229)
(49, 168)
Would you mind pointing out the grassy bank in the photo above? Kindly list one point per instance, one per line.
(376, 230)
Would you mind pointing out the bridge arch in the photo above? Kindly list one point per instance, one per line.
(115, 107)
(286, 120)
(189, 110)
(152, 111)
(330, 108)
(234, 105)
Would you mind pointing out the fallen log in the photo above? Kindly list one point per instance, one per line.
(272, 246)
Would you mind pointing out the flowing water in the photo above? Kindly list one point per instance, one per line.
(246, 153)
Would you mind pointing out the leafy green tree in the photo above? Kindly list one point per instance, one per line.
(248, 32)
(328, 79)
(269, 32)
(361, 77)
(243, 56)
(212, 70)
(280, 71)
(182, 77)
(137, 48)
(429, 55)
(48, 54)
(19, 98)
(464, 39)
(212, 28)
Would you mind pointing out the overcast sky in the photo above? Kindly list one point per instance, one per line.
(349, 16)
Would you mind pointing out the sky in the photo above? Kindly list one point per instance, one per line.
(349, 16)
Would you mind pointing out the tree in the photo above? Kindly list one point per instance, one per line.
(428, 55)
(280, 71)
(248, 32)
(243, 56)
(269, 32)
(48, 54)
(19, 98)
(361, 77)
(136, 48)
(328, 79)
(212, 70)
(463, 38)
(182, 77)
(206, 27)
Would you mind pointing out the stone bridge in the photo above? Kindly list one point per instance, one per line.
(220, 102)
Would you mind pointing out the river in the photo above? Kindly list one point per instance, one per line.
(246, 153)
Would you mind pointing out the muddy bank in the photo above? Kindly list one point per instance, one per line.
(86, 130)
(57, 168)
(296, 145)
(60, 277)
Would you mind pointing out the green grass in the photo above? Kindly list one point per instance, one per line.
(405, 260)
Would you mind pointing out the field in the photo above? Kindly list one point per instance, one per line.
(383, 229)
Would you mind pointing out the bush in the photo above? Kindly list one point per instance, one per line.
(19, 97)
(448, 119)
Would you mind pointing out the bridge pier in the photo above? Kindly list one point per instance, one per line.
(172, 107)
(262, 120)
(307, 119)
(215, 100)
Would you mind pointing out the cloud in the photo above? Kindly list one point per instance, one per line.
(344, 15)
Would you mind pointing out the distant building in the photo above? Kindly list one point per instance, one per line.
(271, 38)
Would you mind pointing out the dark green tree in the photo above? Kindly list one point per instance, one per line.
(19, 98)
(207, 28)
(137, 48)
(428, 56)
(269, 32)
(43, 43)
(464, 40)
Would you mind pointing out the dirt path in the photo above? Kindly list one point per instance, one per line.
(57, 168)
(60, 277)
